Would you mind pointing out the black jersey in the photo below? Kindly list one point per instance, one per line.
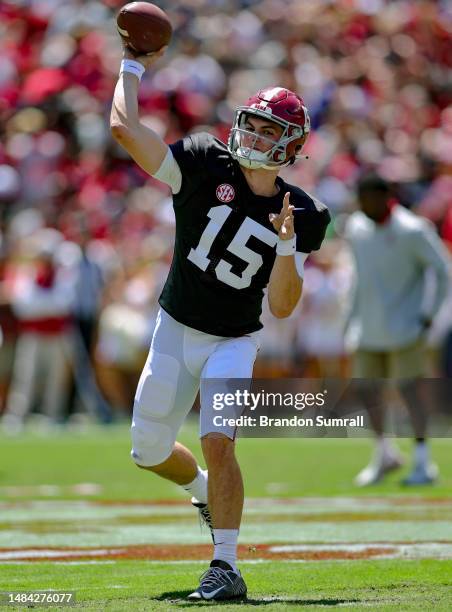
(225, 245)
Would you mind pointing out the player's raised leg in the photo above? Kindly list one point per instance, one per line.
(165, 394)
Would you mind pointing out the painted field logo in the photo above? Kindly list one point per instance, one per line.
(225, 192)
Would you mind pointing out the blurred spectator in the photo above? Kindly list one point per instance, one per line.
(125, 330)
(326, 289)
(42, 301)
(88, 292)
(396, 254)
(276, 357)
(8, 327)
(89, 279)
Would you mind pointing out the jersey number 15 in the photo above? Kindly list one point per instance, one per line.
(249, 227)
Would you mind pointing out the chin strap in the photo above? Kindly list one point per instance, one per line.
(246, 163)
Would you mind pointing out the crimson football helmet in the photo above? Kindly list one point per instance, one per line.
(280, 106)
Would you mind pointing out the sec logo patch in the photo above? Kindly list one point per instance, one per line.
(225, 192)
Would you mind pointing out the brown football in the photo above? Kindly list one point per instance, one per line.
(144, 27)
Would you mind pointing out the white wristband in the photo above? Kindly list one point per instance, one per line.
(136, 68)
(286, 247)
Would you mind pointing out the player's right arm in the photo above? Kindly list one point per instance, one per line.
(143, 144)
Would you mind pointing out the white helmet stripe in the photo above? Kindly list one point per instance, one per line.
(271, 93)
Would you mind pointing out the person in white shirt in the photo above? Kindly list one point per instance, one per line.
(395, 253)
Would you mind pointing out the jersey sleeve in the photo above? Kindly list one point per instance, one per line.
(310, 227)
(169, 172)
(190, 154)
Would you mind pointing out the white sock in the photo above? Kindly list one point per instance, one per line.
(421, 454)
(385, 448)
(198, 487)
(226, 549)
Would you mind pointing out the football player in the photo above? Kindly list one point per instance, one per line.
(239, 229)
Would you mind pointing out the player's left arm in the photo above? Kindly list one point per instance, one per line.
(285, 285)
(432, 255)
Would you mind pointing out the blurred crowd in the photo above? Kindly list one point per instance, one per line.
(81, 220)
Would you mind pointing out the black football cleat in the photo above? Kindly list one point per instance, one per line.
(218, 583)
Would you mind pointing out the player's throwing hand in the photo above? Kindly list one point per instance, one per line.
(145, 60)
(283, 223)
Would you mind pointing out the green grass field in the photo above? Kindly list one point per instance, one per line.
(76, 515)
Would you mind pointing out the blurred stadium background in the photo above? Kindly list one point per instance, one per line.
(77, 210)
(374, 77)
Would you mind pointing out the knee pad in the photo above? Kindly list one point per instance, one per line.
(152, 442)
(156, 392)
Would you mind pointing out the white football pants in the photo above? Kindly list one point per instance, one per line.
(181, 361)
